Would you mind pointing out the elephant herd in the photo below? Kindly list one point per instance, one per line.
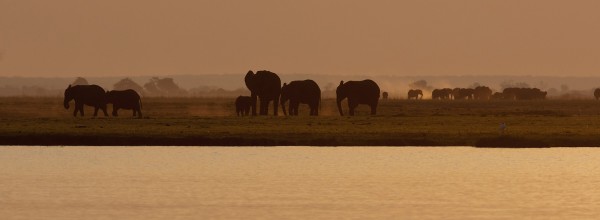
(485, 93)
(95, 96)
(265, 86)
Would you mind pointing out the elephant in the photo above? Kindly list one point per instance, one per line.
(597, 93)
(266, 86)
(125, 99)
(436, 94)
(305, 92)
(482, 93)
(92, 95)
(414, 93)
(497, 95)
(242, 105)
(524, 93)
(358, 92)
(384, 95)
(462, 93)
(446, 93)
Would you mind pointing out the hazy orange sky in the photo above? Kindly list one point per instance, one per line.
(420, 37)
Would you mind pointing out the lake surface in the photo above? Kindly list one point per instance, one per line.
(298, 183)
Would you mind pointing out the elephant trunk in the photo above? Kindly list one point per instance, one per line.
(283, 107)
(66, 104)
(339, 105)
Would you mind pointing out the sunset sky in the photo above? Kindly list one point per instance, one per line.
(396, 37)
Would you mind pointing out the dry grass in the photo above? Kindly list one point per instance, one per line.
(204, 121)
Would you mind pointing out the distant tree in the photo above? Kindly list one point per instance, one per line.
(420, 84)
(475, 85)
(80, 81)
(128, 83)
(164, 87)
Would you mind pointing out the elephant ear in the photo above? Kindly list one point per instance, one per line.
(249, 80)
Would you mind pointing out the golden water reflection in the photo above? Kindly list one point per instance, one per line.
(297, 182)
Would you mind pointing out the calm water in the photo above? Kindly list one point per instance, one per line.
(298, 182)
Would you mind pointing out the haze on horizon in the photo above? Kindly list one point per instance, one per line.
(409, 37)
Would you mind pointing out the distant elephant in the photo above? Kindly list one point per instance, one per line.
(125, 99)
(91, 95)
(482, 93)
(436, 94)
(524, 94)
(462, 93)
(597, 93)
(414, 93)
(267, 87)
(497, 96)
(446, 93)
(358, 92)
(242, 105)
(384, 95)
(305, 92)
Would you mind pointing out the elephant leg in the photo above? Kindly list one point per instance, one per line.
(276, 106)
(351, 106)
(263, 103)
(253, 104)
(75, 112)
(104, 111)
(80, 108)
(139, 110)
(114, 112)
(314, 110)
(373, 109)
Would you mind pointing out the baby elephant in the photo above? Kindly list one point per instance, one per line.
(242, 105)
(125, 99)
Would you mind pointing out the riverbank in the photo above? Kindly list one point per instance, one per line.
(209, 122)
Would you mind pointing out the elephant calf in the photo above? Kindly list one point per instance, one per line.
(125, 99)
(242, 105)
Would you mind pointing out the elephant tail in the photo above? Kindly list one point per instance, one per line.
(140, 100)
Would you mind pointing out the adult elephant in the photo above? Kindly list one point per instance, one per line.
(358, 92)
(125, 99)
(267, 87)
(482, 93)
(242, 105)
(436, 94)
(91, 95)
(597, 93)
(305, 92)
(415, 93)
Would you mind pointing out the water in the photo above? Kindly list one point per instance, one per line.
(298, 182)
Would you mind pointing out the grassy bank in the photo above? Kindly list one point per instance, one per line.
(208, 122)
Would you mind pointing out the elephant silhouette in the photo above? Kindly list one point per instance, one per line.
(305, 92)
(597, 93)
(91, 95)
(436, 94)
(482, 93)
(524, 94)
(462, 93)
(384, 95)
(242, 105)
(415, 93)
(266, 86)
(125, 99)
(358, 92)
